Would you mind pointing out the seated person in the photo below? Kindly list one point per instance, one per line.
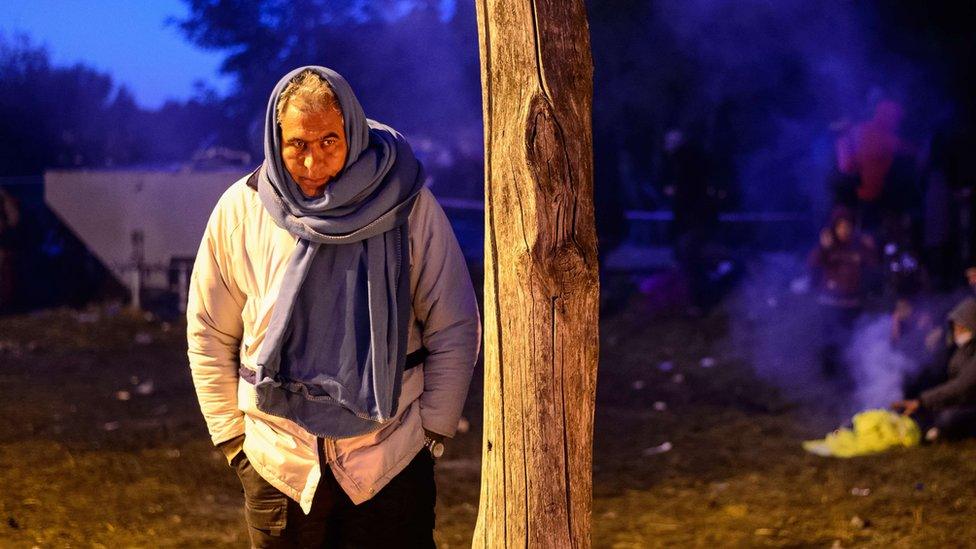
(951, 406)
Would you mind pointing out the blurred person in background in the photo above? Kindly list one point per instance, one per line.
(971, 279)
(695, 208)
(913, 330)
(949, 408)
(916, 335)
(877, 146)
(905, 275)
(843, 179)
(841, 265)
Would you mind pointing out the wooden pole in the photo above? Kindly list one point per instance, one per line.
(541, 307)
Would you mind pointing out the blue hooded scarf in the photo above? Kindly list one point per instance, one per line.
(334, 352)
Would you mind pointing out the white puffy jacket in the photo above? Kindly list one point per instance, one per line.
(235, 280)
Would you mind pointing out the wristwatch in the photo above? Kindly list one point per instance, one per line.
(436, 447)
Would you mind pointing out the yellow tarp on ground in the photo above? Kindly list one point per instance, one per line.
(873, 431)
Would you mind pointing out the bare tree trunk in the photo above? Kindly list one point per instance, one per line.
(541, 275)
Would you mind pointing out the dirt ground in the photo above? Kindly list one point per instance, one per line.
(80, 467)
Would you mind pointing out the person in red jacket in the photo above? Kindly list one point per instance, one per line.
(841, 264)
(877, 143)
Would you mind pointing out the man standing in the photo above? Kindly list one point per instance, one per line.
(332, 327)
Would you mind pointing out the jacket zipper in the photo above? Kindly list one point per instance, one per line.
(329, 442)
(373, 430)
(329, 446)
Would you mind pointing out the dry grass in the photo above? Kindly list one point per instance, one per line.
(736, 475)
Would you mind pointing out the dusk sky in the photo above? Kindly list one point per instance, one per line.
(129, 40)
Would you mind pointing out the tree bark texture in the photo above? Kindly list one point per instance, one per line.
(541, 299)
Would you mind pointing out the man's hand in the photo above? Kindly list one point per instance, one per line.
(232, 448)
(906, 407)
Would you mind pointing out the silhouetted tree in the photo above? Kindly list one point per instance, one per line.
(62, 117)
(413, 64)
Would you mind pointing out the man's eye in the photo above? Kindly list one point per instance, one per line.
(299, 144)
(329, 142)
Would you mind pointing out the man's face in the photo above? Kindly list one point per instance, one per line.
(313, 145)
(961, 334)
(843, 228)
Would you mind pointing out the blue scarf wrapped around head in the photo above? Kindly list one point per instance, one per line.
(334, 352)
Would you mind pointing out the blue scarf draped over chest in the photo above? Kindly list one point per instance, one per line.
(334, 352)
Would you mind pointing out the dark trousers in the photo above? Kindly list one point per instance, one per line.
(401, 514)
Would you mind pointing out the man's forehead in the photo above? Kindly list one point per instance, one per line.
(298, 118)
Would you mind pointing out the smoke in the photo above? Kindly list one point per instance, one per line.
(878, 370)
(778, 328)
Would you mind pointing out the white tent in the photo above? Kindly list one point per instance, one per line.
(106, 208)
